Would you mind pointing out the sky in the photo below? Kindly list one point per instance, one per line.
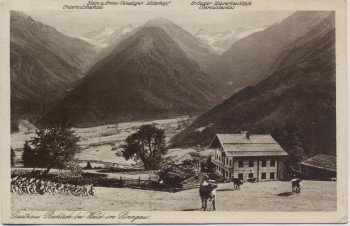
(80, 22)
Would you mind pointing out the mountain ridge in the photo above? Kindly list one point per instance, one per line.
(147, 75)
(248, 60)
(296, 104)
(41, 60)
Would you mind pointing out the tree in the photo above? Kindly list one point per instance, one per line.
(88, 165)
(13, 156)
(28, 156)
(147, 145)
(55, 147)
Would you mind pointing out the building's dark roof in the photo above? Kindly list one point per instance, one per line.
(325, 162)
(237, 145)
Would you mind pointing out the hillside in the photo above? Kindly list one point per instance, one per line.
(296, 104)
(42, 60)
(249, 59)
(146, 76)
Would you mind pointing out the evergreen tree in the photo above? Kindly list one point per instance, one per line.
(28, 157)
(88, 165)
(210, 165)
(13, 156)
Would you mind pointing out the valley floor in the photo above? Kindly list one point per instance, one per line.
(262, 196)
(101, 145)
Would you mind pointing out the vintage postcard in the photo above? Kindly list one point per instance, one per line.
(186, 111)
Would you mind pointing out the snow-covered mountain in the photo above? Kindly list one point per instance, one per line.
(223, 40)
(99, 35)
(107, 35)
(91, 41)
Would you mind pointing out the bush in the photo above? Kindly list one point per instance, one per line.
(173, 174)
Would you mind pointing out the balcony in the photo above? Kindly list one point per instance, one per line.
(221, 164)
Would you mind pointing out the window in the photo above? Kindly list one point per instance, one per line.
(219, 157)
(230, 162)
(251, 163)
(272, 163)
(263, 163)
(240, 164)
(250, 175)
(230, 175)
(240, 176)
(226, 161)
(226, 174)
(272, 176)
(263, 176)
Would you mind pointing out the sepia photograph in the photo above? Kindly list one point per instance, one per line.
(196, 110)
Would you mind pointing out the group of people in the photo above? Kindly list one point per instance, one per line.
(25, 184)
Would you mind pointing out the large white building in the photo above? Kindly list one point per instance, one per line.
(247, 156)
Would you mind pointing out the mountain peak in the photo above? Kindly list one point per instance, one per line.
(152, 31)
(159, 21)
(147, 38)
(146, 75)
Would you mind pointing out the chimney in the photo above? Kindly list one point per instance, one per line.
(246, 134)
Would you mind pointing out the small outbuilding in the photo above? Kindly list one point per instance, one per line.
(320, 167)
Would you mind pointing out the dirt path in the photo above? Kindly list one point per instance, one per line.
(263, 196)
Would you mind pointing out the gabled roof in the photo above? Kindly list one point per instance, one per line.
(237, 145)
(241, 139)
(325, 162)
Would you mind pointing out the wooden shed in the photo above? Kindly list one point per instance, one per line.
(320, 167)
